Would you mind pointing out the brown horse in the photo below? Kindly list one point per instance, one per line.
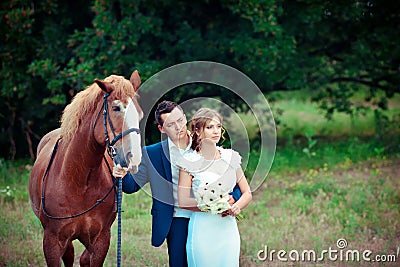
(71, 188)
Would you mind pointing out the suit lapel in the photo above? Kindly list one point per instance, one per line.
(166, 160)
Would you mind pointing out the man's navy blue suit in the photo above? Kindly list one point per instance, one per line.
(155, 168)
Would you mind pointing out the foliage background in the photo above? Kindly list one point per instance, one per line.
(329, 69)
(334, 49)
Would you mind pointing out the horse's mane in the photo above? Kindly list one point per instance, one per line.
(88, 101)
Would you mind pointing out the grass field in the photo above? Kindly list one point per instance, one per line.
(344, 186)
(300, 117)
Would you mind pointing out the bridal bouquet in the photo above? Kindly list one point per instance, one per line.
(212, 198)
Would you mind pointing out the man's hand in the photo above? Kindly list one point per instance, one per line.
(119, 171)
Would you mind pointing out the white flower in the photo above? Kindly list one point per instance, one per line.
(212, 198)
(219, 206)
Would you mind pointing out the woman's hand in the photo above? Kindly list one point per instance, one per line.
(119, 171)
(229, 212)
(233, 211)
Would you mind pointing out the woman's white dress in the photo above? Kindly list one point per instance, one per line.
(212, 240)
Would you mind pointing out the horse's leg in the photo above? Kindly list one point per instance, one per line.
(84, 261)
(52, 249)
(98, 250)
(68, 257)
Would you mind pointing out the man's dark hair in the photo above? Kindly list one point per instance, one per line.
(164, 107)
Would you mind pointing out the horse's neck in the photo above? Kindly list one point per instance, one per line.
(83, 156)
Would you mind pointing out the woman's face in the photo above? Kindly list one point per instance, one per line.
(212, 130)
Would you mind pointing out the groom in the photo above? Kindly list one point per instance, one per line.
(169, 221)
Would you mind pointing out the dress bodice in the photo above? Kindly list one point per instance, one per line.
(219, 173)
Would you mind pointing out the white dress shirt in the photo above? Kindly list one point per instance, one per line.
(174, 153)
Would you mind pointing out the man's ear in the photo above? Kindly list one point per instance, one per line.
(160, 128)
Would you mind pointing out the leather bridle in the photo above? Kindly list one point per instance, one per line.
(106, 119)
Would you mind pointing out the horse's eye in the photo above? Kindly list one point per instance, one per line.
(116, 108)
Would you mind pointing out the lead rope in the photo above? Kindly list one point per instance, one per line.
(119, 221)
(115, 159)
(119, 209)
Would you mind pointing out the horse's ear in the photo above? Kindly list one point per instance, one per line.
(135, 80)
(105, 86)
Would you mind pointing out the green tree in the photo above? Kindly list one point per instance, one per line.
(51, 49)
(34, 35)
(345, 46)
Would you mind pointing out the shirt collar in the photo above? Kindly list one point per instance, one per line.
(171, 144)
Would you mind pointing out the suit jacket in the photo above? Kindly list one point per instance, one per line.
(155, 168)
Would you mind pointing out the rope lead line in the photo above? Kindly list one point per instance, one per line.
(119, 221)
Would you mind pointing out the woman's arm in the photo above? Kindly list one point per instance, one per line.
(185, 201)
(235, 195)
(246, 197)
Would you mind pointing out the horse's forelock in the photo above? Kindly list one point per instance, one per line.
(123, 89)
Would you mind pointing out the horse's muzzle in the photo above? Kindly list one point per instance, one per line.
(121, 159)
(133, 169)
(128, 160)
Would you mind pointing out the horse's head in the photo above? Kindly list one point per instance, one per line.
(121, 116)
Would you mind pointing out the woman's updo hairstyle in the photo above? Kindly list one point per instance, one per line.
(199, 122)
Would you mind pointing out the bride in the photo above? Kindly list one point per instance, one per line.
(211, 172)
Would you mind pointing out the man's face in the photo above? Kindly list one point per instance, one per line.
(174, 125)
